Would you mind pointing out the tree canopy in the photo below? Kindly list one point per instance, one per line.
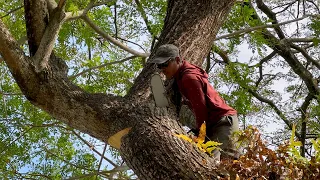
(74, 73)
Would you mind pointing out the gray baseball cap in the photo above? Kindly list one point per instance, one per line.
(164, 53)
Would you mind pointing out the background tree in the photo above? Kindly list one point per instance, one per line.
(283, 72)
(105, 45)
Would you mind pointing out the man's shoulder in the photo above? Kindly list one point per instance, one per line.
(190, 79)
(190, 76)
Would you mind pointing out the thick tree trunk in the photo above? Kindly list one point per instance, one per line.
(192, 26)
(150, 148)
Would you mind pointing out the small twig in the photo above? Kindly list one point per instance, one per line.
(55, 124)
(5, 148)
(298, 11)
(287, 6)
(12, 11)
(89, 52)
(259, 27)
(153, 44)
(93, 149)
(101, 66)
(316, 6)
(29, 175)
(83, 12)
(131, 42)
(115, 19)
(117, 169)
(208, 63)
(265, 59)
(104, 151)
(304, 6)
(297, 92)
(10, 94)
(67, 162)
(144, 17)
(111, 39)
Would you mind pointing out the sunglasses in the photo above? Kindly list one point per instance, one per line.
(164, 65)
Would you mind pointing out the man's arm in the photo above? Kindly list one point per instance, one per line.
(193, 91)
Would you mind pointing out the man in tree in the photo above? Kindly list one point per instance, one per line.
(192, 86)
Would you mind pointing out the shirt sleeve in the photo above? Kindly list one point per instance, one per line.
(193, 91)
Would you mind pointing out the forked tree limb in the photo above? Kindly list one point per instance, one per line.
(49, 38)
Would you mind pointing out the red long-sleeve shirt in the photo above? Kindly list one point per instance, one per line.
(204, 100)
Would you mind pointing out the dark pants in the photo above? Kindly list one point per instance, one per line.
(222, 132)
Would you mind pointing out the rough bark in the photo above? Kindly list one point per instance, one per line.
(150, 148)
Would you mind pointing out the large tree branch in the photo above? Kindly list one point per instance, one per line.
(115, 20)
(51, 5)
(306, 55)
(275, 108)
(63, 100)
(283, 48)
(48, 40)
(10, 51)
(83, 14)
(111, 39)
(21, 41)
(264, 8)
(37, 19)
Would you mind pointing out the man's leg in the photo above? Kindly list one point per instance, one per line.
(222, 132)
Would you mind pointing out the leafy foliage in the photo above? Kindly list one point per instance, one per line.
(199, 141)
(259, 161)
(315, 25)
